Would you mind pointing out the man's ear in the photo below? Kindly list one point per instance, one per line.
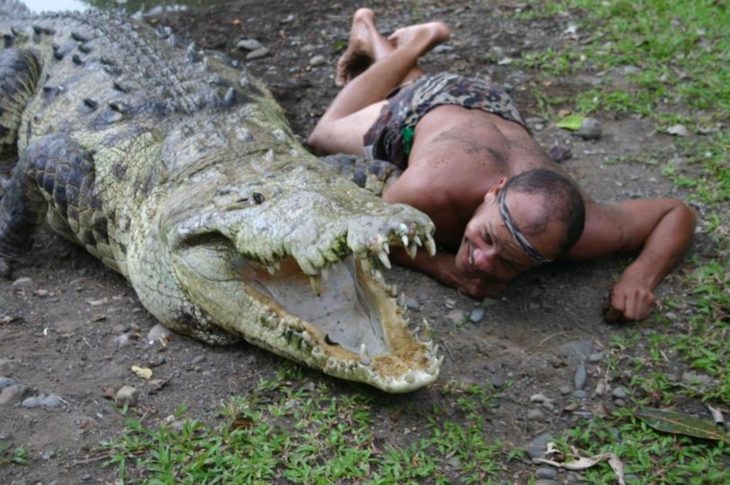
(494, 190)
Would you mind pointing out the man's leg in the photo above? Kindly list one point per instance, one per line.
(343, 125)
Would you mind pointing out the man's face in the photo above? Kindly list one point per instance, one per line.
(488, 249)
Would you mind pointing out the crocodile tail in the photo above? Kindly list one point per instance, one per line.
(13, 9)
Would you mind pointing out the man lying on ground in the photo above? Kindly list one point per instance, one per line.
(500, 205)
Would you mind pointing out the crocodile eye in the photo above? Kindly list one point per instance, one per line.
(258, 198)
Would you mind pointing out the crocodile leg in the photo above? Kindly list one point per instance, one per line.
(54, 175)
(19, 73)
(373, 175)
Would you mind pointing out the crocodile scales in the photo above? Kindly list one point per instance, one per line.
(177, 169)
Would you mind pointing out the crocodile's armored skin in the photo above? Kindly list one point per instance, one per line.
(178, 170)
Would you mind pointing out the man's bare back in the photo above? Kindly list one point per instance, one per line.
(499, 204)
(459, 153)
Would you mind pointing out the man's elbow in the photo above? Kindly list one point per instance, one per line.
(315, 141)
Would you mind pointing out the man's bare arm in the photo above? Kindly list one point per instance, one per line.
(662, 228)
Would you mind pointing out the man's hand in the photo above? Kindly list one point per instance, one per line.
(629, 300)
(480, 288)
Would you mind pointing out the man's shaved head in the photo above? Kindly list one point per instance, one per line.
(562, 202)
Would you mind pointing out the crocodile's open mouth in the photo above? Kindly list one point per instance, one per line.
(339, 304)
(346, 322)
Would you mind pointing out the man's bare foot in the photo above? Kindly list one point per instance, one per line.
(360, 51)
(429, 34)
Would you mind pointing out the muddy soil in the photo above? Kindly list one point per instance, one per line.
(64, 312)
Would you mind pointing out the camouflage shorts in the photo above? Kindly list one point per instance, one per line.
(391, 136)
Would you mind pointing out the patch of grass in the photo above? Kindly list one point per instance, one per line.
(669, 50)
(18, 456)
(648, 456)
(309, 436)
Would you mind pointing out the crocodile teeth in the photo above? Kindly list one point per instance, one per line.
(417, 240)
(410, 376)
(271, 270)
(412, 250)
(386, 248)
(430, 245)
(404, 238)
(316, 283)
(364, 358)
(325, 274)
(384, 260)
(435, 364)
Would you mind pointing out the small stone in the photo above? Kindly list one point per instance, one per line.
(122, 340)
(6, 382)
(497, 380)
(540, 397)
(679, 130)
(595, 357)
(126, 395)
(43, 400)
(559, 154)
(477, 315)
(318, 60)
(249, 44)
(412, 304)
(455, 316)
(565, 390)
(579, 394)
(619, 403)
(12, 393)
(535, 414)
(580, 376)
(198, 359)
(258, 53)
(590, 129)
(690, 377)
(538, 446)
(546, 482)
(619, 392)
(449, 303)
(47, 455)
(546, 473)
(158, 334)
(439, 49)
(22, 283)
(600, 389)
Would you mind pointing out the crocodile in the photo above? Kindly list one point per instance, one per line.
(176, 168)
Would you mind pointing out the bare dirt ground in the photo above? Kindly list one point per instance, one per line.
(61, 326)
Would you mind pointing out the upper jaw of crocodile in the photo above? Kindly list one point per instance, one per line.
(323, 303)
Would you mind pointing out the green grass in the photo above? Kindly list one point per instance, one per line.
(648, 456)
(664, 60)
(311, 436)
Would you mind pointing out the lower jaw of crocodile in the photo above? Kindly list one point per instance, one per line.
(347, 323)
